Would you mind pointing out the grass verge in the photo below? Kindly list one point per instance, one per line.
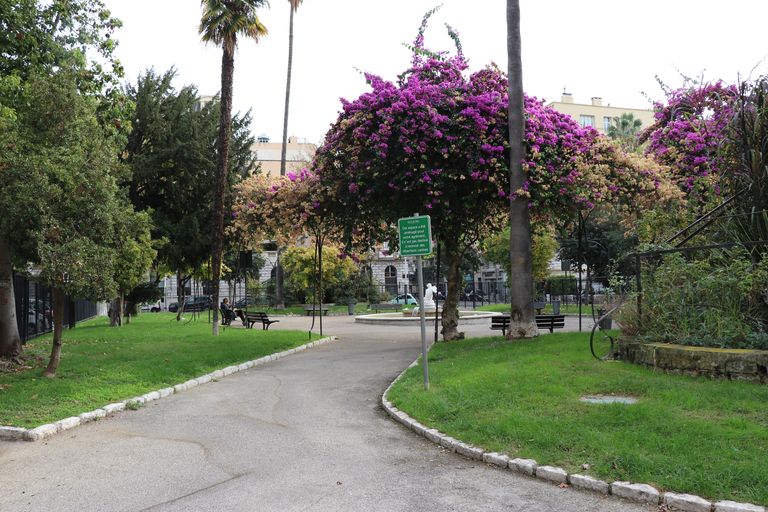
(101, 364)
(685, 434)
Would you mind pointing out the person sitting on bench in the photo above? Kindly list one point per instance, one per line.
(227, 315)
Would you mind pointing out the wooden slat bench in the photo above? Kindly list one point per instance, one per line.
(309, 309)
(251, 317)
(550, 322)
(385, 306)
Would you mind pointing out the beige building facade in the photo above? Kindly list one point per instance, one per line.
(596, 114)
(298, 154)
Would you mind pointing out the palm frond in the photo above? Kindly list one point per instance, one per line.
(224, 20)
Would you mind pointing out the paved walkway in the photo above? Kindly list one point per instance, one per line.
(305, 433)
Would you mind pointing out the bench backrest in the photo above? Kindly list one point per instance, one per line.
(550, 320)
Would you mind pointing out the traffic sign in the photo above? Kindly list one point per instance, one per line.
(415, 235)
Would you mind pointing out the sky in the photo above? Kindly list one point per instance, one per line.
(613, 49)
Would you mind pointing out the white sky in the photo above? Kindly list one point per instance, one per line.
(607, 48)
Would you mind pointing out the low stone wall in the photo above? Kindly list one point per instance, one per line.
(724, 363)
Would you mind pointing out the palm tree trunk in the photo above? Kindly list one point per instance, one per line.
(287, 97)
(222, 157)
(10, 341)
(280, 303)
(522, 320)
(58, 328)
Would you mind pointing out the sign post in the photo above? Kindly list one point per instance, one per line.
(416, 240)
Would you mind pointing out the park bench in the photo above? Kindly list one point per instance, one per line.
(385, 306)
(310, 309)
(227, 316)
(550, 322)
(251, 317)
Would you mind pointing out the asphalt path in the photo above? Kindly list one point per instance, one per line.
(304, 433)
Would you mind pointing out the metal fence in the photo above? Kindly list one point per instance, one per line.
(34, 311)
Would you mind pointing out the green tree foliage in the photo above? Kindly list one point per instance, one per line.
(543, 249)
(64, 120)
(134, 253)
(171, 155)
(604, 244)
(625, 129)
(60, 198)
(300, 266)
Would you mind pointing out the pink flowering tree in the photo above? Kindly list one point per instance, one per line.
(436, 142)
(713, 136)
(287, 209)
(689, 135)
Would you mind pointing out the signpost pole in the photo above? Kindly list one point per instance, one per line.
(423, 322)
(416, 240)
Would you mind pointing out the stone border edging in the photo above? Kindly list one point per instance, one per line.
(50, 429)
(642, 493)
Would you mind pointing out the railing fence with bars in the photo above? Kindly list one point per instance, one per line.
(34, 312)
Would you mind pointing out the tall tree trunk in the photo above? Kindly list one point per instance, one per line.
(522, 319)
(58, 328)
(179, 295)
(10, 341)
(450, 315)
(115, 313)
(279, 300)
(287, 96)
(225, 126)
(128, 309)
(279, 282)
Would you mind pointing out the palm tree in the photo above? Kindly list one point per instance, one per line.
(522, 320)
(624, 129)
(222, 22)
(294, 7)
(279, 273)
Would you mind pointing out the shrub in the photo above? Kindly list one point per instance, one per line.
(718, 301)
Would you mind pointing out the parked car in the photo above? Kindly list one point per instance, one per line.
(192, 304)
(153, 308)
(406, 298)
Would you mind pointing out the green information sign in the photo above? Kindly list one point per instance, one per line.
(415, 236)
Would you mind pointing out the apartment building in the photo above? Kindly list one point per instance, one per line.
(298, 154)
(596, 114)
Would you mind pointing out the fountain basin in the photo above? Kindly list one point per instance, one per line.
(465, 318)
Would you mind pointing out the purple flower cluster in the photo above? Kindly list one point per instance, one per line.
(689, 132)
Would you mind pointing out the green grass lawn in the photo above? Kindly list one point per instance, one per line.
(686, 434)
(565, 309)
(100, 364)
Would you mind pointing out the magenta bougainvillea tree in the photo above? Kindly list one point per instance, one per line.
(689, 135)
(436, 142)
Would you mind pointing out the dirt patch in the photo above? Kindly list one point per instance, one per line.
(20, 364)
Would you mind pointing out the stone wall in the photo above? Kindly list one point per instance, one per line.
(734, 364)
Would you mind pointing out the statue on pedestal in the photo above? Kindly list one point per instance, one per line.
(429, 293)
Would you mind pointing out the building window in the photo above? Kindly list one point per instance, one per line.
(390, 280)
(606, 123)
(585, 121)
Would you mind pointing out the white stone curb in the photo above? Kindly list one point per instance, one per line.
(642, 493)
(48, 430)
